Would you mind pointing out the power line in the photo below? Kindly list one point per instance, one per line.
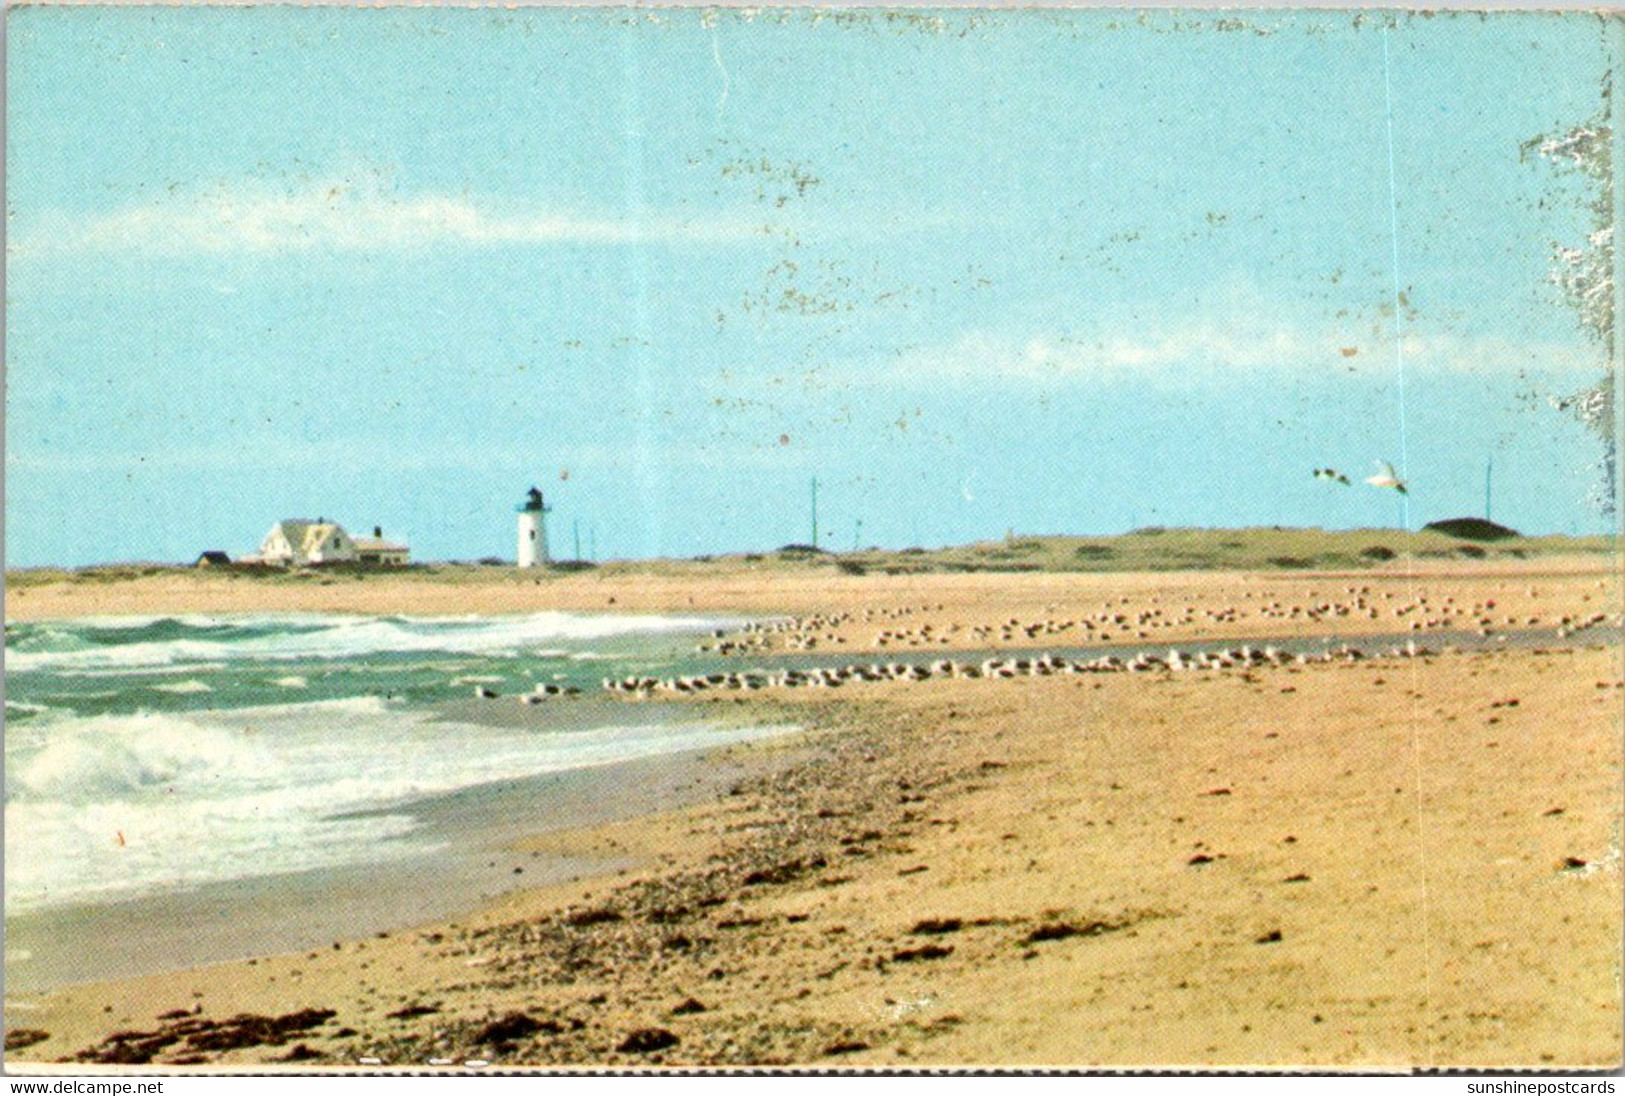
(1393, 239)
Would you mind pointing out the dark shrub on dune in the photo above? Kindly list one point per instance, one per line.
(1471, 529)
(1378, 551)
(1292, 563)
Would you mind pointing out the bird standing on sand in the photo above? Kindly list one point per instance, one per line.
(1332, 475)
(1386, 477)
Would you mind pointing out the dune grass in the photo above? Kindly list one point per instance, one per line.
(1258, 549)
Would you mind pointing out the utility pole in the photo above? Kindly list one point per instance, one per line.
(815, 512)
(576, 525)
(857, 534)
(592, 543)
(1488, 468)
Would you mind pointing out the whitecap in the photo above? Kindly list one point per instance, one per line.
(109, 757)
(139, 671)
(331, 637)
(191, 685)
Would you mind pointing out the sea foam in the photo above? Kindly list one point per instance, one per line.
(108, 807)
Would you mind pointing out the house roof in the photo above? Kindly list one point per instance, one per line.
(305, 536)
(318, 533)
(293, 529)
(373, 544)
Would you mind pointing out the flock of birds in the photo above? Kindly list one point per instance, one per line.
(1044, 665)
(1122, 621)
(1424, 615)
(1385, 478)
(802, 633)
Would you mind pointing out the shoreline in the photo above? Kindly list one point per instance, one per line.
(941, 868)
(473, 844)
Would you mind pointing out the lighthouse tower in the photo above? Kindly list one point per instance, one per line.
(532, 530)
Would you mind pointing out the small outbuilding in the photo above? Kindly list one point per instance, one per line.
(378, 552)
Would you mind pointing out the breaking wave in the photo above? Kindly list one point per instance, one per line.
(108, 807)
(111, 644)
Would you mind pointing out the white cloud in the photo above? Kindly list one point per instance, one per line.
(1182, 351)
(260, 219)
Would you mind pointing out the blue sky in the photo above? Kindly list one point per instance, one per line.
(1056, 272)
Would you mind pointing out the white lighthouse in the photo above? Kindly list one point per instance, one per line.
(532, 530)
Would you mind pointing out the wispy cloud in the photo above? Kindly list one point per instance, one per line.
(1178, 351)
(252, 218)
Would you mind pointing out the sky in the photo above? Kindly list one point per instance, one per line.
(1050, 272)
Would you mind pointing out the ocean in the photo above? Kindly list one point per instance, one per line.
(152, 756)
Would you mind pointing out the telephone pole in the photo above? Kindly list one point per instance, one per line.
(815, 512)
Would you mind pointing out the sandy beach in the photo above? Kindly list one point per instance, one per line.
(1389, 863)
(852, 611)
(717, 538)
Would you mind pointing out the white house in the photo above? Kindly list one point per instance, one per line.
(297, 542)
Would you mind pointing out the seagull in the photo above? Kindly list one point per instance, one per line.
(1332, 475)
(1386, 477)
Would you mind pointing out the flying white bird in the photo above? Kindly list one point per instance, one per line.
(1386, 477)
(1332, 475)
